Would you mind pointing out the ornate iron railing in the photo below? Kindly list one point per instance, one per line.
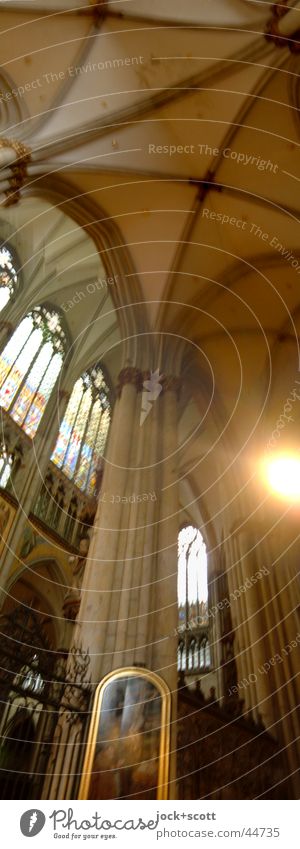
(34, 687)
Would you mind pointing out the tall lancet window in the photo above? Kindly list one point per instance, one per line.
(193, 646)
(30, 365)
(192, 576)
(83, 432)
(8, 276)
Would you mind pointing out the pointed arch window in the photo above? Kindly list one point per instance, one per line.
(193, 628)
(30, 365)
(192, 576)
(8, 276)
(83, 432)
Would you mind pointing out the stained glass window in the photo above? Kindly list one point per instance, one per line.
(8, 276)
(83, 432)
(30, 365)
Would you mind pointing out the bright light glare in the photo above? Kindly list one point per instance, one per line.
(283, 476)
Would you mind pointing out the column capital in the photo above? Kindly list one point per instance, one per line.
(130, 375)
(168, 382)
(137, 377)
(283, 28)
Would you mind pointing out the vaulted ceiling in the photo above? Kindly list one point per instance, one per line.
(175, 132)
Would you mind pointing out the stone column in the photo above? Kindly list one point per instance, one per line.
(165, 607)
(27, 489)
(95, 629)
(138, 535)
(252, 621)
(102, 583)
(283, 628)
(128, 611)
(267, 622)
(239, 616)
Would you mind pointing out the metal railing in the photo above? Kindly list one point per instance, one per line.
(63, 508)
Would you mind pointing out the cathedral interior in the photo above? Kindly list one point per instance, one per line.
(149, 388)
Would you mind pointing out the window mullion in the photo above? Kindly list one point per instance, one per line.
(78, 459)
(95, 443)
(23, 381)
(72, 431)
(17, 357)
(82, 439)
(37, 388)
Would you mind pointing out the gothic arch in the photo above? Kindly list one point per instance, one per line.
(128, 299)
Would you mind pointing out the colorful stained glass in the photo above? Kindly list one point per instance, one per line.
(86, 455)
(102, 433)
(32, 381)
(42, 395)
(14, 347)
(83, 432)
(59, 452)
(29, 367)
(19, 369)
(98, 450)
(84, 465)
(77, 434)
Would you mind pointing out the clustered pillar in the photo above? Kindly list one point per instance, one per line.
(128, 612)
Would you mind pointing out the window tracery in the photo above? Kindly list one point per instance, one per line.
(83, 432)
(8, 275)
(29, 367)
